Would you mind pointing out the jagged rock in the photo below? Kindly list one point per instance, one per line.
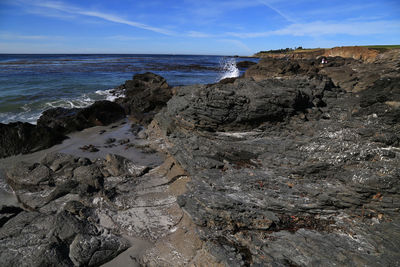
(69, 120)
(245, 64)
(117, 165)
(37, 239)
(311, 186)
(243, 104)
(144, 96)
(18, 137)
(89, 177)
(87, 250)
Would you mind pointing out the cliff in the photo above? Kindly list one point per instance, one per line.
(356, 52)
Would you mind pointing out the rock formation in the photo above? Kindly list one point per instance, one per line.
(144, 96)
(294, 164)
(290, 175)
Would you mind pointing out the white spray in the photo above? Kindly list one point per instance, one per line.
(229, 69)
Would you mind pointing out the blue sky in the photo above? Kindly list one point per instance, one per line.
(236, 27)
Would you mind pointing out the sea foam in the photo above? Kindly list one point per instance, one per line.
(228, 68)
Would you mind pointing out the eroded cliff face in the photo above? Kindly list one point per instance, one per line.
(352, 75)
(355, 52)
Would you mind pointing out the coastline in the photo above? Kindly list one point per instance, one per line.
(294, 163)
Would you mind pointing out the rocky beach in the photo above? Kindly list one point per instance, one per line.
(294, 163)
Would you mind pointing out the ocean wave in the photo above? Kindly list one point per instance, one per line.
(228, 68)
(110, 94)
(32, 111)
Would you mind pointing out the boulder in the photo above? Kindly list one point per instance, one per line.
(37, 239)
(144, 96)
(243, 104)
(69, 120)
(19, 137)
(245, 64)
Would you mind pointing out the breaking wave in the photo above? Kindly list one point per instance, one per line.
(32, 111)
(228, 68)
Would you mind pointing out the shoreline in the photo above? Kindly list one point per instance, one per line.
(295, 160)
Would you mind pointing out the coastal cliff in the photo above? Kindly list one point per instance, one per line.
(294, 164)
(366, 54)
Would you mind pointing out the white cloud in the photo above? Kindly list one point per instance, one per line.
(125, 38)
(196, 34)
(13, 36)
(319, 28)
(61, 7)
(286, 17)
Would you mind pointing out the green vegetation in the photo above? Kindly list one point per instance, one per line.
(382, 48)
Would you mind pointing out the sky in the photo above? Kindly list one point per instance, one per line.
(208, 27)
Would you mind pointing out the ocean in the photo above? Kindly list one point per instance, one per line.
(30, 84)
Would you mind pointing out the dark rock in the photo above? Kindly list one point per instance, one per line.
(89, 148)
(18, 137)
(70, 120)
(89, 177)
(273, 183)
(245, 64)
(36, 239)
(145, 95)
(242, 105)
(117, 165)
(110, 140)
(123, 141)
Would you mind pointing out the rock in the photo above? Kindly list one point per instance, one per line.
(89, 177)
(24, 175)
(245, 64)
(86, 250)
(18, 137)
(69, 120)
(117, 165)
(145, 95)
(110, 140)
(89, 148)
(245, 104)
(280, 182)
(50, 240)
(123, 141)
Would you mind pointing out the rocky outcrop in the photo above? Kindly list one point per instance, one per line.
(276, 183)
(245, 64)
(19, 137)
(356, 52)
(144, 96)
(53, 125)
(347, 73)
(70, 120)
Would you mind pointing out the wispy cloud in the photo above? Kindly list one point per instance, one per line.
(125, 38)
(236, 43)
(283, 15)
(196, 34)
(62, 7)
(13, 36)
(319, 28)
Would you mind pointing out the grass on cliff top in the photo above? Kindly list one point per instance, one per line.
(382, 46)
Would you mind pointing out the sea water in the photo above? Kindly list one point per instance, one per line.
(30, 84)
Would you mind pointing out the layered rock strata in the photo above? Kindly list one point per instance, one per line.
(290, 171)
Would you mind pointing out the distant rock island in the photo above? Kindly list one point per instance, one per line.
(296, 163)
